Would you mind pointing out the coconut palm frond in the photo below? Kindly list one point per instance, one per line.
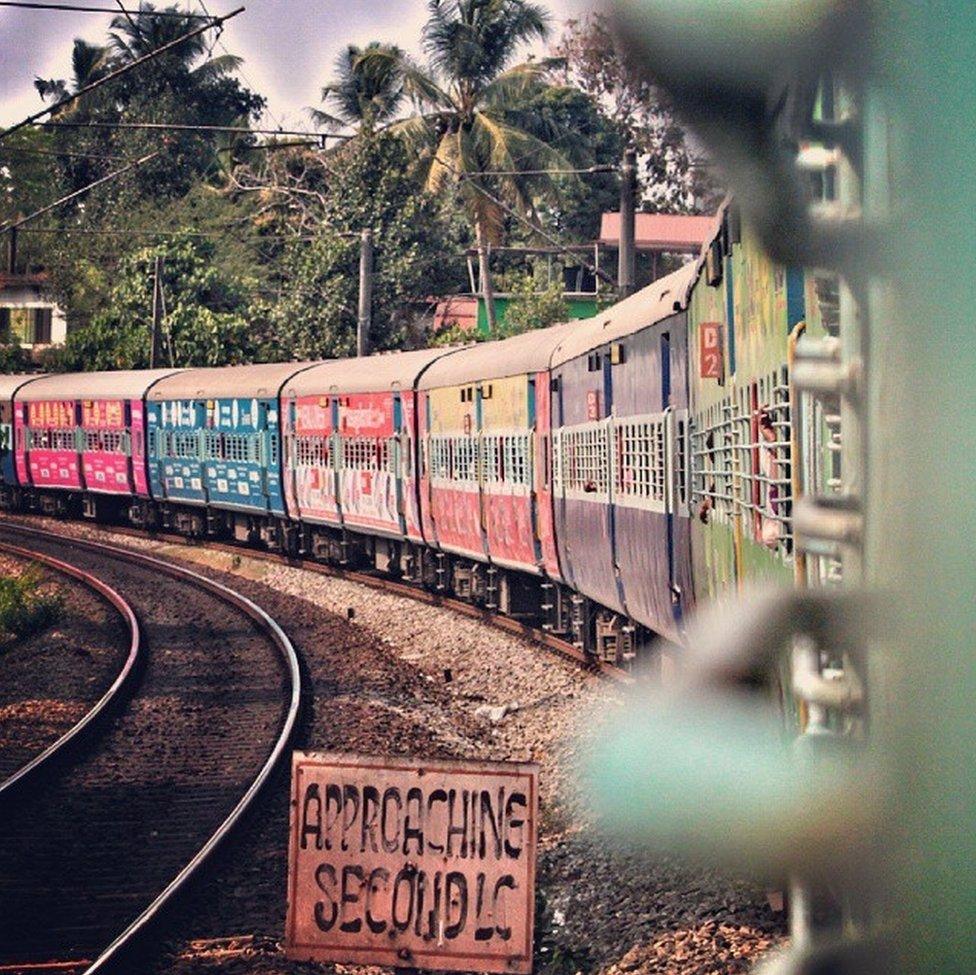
(445, 163)
(51, 88)
(89, 62)
(324, 120)
(217, 66)
(514, 87)
(369, 86)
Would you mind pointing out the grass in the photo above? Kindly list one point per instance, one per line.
(24, 609)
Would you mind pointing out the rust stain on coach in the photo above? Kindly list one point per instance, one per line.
(409, 863)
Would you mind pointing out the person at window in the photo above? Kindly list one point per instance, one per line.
(707, 502)
(770, 526)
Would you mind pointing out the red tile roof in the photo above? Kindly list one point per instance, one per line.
(660, 231)
(8, 280)
(459, 310)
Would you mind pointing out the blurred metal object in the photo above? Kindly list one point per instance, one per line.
(899, 402)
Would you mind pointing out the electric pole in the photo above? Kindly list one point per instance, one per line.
(626, 254)
(155, 348)
(365, 292)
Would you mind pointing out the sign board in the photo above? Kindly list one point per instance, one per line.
(412, 863)
(710, 350)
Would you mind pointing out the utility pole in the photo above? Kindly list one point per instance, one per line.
(365, 292)
(155, 348)
(626, 255)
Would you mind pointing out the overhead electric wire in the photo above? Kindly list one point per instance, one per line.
(15, 224)
(589, 170)
(76, 8)
(240, 70)
(186, 127)
(112, 75)
(31, 151)
(221, 231)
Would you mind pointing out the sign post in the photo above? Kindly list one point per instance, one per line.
(411, 863)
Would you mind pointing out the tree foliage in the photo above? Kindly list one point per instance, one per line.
(672, 176)
(261, 242)
(533, 307)
(364, 185)
(186, 84)
(466, 100)
(367, 89)
(206, 321)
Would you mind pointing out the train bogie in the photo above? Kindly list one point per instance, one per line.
(350, 444)
(485, 426)
(744, 316)
(11, 495)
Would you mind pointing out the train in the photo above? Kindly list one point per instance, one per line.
(597, 478)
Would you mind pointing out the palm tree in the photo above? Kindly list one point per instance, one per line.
(89, 62)
(467, 100)
(367, 89)
(133, 36)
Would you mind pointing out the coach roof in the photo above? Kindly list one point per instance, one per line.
(123, 384)
(656, 302)
(10, 384)
(262, 381)
(370, 374)
(526, 353)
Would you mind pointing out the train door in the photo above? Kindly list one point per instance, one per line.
(131, 444)
(532, 458)
(477, 444)
(607, 416)
(338, 454)
(289, 462)
(670, 476)
(398, 462)
(268, 455)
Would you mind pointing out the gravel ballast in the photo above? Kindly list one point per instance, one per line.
(51, 679)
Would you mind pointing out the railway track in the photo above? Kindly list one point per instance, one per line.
(89, 859)
(21, 777)
(537, 635)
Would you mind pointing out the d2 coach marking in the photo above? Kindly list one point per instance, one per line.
(408, 863)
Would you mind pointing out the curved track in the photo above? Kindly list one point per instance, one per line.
(25, 775)
(88, 861)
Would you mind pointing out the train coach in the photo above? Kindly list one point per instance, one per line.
(215, 451)
(597, 477)
(350, 459)
(80, 438)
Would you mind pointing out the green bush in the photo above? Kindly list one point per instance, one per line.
(23, 609)
(533, 305)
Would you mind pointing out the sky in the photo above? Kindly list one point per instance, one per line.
(288, 46)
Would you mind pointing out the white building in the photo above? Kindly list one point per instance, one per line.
(28, 314)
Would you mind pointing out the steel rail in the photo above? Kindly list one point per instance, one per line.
(539, 636)
(289, 656)
(111, 695)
